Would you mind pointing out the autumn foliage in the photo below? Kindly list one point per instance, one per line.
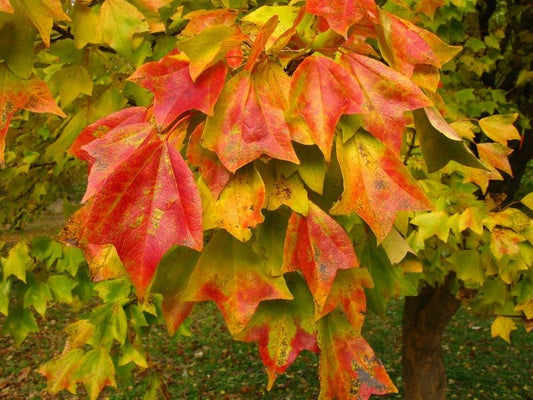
(271, 132)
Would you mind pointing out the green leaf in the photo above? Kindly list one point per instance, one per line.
(121, 21)
(431, 224)
(16, 45)
(270, 241)
(132, 354)
(61, 287)
(440, 143)
(171, 280)
(20, 323)
(37, 295)
(96, 371)
(17, 262)
(46, 249)
(115, 290)
(468, 267)
(111, 323)
(210, 46)
(5, 288)
(71, 260)
(71, 82)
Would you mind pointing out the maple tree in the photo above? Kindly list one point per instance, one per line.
(293, 162)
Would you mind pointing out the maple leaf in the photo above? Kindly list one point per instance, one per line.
(321, 91)
(317, 246)
(199, 20)
(387, 94)
(260, 42)
(215, 175)
(439, 141)
(60, 371)
(171, 280)
(429, 7)
(22, 94)
(373, 174)
(42, 14)
(404, 45)
(6, 7)
(125, 117)
(96, 371)
(249, 118)
(120, 21)
(111, 149)
(146, 205)
(104, 262)
(347, 292)
(174, 90)
(341, 14)
(238, 208)
(283, 329)
(496, 155)
(231, 274)
(500, 128)
(348, 367)
(209, 47)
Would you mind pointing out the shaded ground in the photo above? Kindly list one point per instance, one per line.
(210, 365)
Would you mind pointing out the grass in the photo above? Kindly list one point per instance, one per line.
(208, 364)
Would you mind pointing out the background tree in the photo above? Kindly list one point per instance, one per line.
(284, 138)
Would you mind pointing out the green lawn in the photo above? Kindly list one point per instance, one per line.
(208, 364)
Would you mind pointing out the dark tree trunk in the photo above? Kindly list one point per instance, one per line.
(425, 317)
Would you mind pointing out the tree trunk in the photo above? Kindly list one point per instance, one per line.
(425, 317)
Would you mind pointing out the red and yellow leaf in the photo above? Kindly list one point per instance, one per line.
(341, 14)
(209, 47)
(174, 90)
(238, 208)
(22, 94)
(405, 45)
(348, 294)
(500, 128)
(231, 274)
(215, 175)
(148, 204)
(387, 94)
(6, 7)
(249, 118)
(203, 19)
(376, 184)
(317, 246)
(348, 367)
(495, 155)
(321, 91)
(61, 370)
(283, 328)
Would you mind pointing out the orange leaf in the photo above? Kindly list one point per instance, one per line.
(376, 184)
(387, 94)
(348, 367)
(321, 91)
(249, 118)
(317, 246)
(231, 274)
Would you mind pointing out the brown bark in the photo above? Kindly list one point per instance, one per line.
(424, 320)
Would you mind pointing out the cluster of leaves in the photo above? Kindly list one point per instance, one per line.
(266, 141)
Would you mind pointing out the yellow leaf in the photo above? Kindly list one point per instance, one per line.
(502, 327)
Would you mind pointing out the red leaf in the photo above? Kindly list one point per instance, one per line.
(249, 118)
(317, 246)
(348, 367)
(128, 116)
(214, 173)
(148, 204)
(376, 184)
(283, 328)
(341, 14)
(22, 94)
(110, 150)
(321, 91)
(260, 42)
(231, 274)
(174, 90)
(6, 7)
(387, 95)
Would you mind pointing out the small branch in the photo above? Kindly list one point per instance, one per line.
(410, 149)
